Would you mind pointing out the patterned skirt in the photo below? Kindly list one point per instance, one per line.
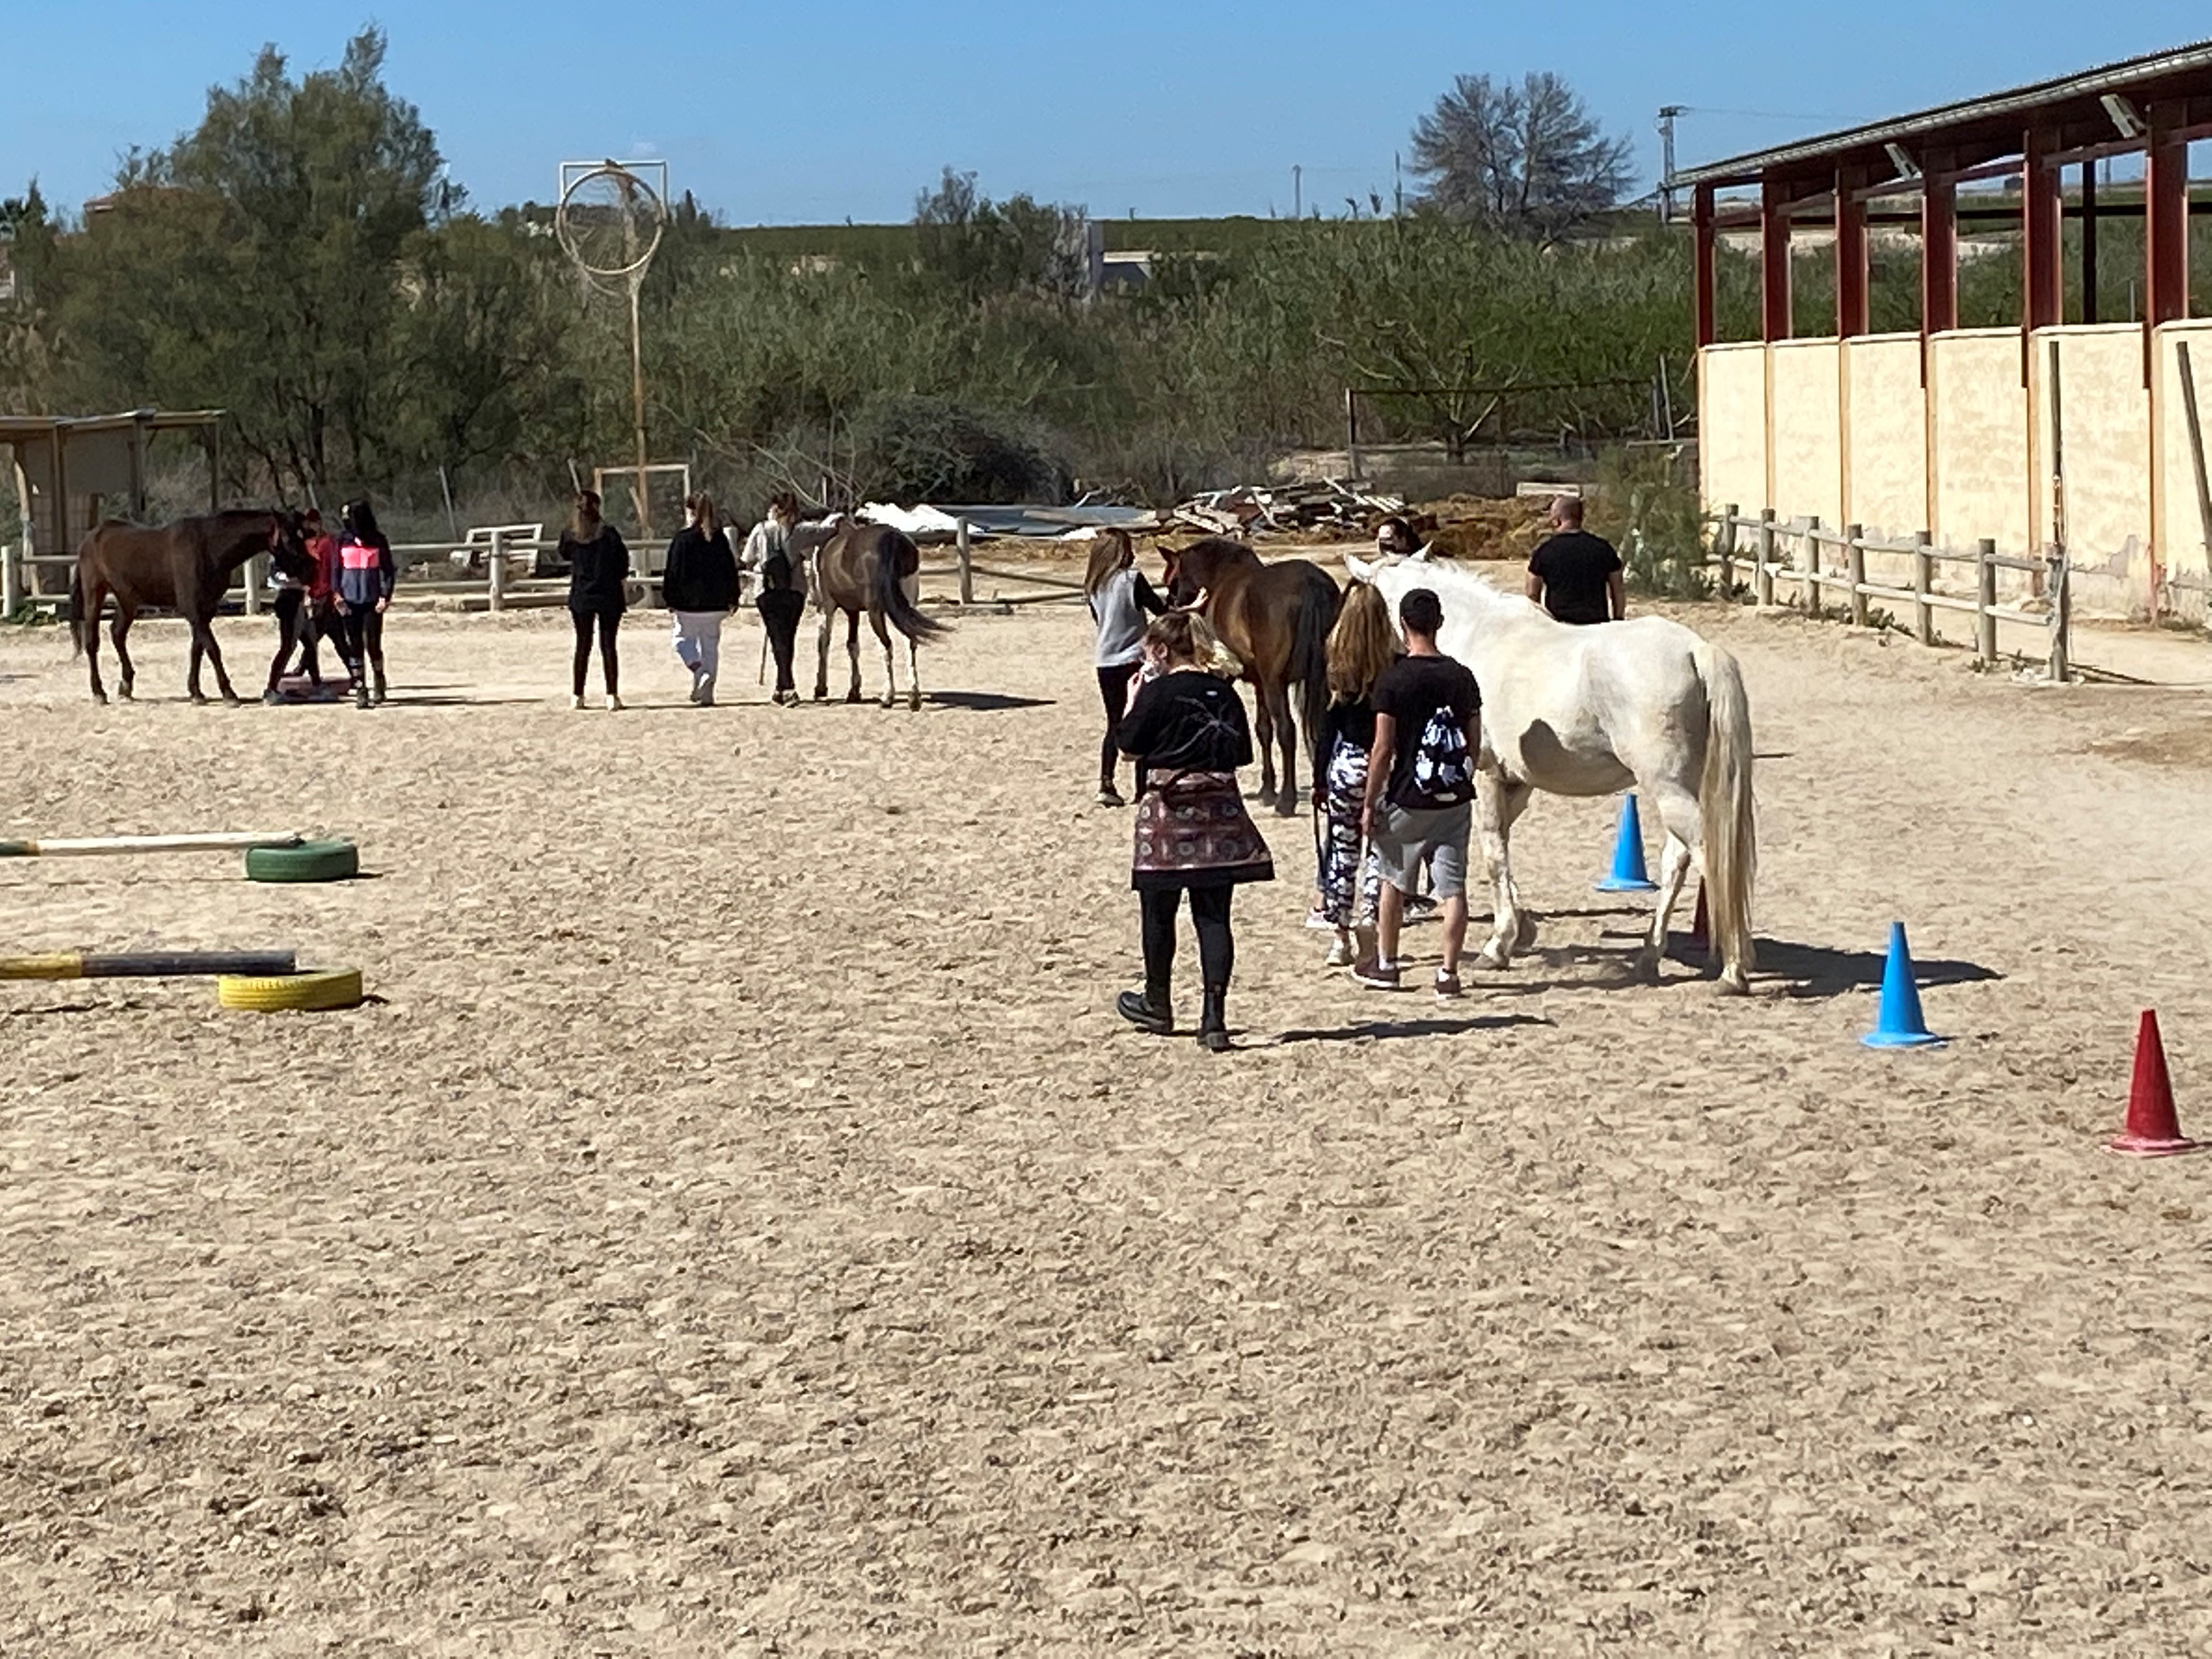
(1192, 831)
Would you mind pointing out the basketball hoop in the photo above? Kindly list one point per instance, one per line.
(610, 224)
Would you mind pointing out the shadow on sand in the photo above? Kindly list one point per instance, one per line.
(983, 701)
(1818, 970)
(1404, 1028)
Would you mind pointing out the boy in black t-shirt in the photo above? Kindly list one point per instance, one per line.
(1420, 787)
(1575, 575)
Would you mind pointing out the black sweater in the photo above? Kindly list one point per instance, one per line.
(1188, 721)
(700, 575)
(597, 569)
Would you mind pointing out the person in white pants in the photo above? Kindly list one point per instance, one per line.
(699, 584)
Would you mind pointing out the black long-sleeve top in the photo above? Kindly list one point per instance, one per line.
(1189, 722)
(701, 572)
(599, 570)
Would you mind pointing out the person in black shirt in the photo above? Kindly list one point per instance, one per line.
(1360, 647)
(699, 584)
(1187, 730)
(598, 584)
(1575, 575)
(1420, 787)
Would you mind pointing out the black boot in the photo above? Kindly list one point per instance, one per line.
(1148, 1012)
(379, 696)
(1213, 1022)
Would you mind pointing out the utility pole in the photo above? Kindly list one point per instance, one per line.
(1397, 186)
(1667, 114)
(1298, 192)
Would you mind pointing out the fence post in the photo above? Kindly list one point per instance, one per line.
(497, 598)
(257, 572)
(2062, 616)
(1924, 614)
(1351, 435)
(1762, 586)
(1985, 595)
(1724, 545)
(1855, 565)
(1811, 565)
(967, 571)
(11, 592)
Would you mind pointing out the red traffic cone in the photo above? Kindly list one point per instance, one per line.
(2154, 1128)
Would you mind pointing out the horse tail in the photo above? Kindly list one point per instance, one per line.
(1724, 799)
(1308, 666)
(79, 622)
(894, 551)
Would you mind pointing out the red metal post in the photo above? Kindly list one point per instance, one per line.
(1701, 217)
(1939, 252)
(2165, 218)
(1853, 312)
(2044, 287)
(1774, 200)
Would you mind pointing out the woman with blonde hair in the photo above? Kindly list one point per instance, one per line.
(1360, 646)
(1188, 734)
(699, 585)
(1119, 599)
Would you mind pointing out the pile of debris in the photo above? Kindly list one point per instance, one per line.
(1328, 507)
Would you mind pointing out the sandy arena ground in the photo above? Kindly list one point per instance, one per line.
(740, 1223)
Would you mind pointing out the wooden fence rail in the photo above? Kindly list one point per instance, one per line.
(1761, 542)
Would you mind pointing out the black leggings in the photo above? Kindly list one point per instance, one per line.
(364, 641)
(1209, 913)
(606, 622)
(1113, 692)
(780, 608)
(296, 626)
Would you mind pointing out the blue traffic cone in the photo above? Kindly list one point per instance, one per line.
(1900, 1024)
(1629, 875)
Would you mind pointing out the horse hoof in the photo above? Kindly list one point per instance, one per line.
(1525, 934)
(230, 699)
(199, 699)
(100, 698)
(914, 702)
(1647, 966)
(852, 696)
(891, 703)
(1286, 805)
(1733, 983)
(1491, 956)
(123, 692)
(821, 694)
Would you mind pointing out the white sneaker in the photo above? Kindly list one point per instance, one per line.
(1317, 918)
(614, 703)
(1339, 954)
(575, 703)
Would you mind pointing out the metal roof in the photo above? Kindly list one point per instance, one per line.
(18, 428)
(1986, 122)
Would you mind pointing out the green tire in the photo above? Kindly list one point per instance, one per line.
(311, 860)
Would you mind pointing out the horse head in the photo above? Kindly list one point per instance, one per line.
(1179, 593)
(288, 546)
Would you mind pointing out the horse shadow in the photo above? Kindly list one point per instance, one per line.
(1384, 1030)
(983, 701)
(1819, 970)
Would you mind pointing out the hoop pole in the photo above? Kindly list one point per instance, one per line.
(637, 406)
(218, 842)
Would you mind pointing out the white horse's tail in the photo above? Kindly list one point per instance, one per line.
(1724, 795)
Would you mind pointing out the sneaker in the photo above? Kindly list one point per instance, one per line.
(1376, 977)
(706, 698)
(575, 703)
(1448, 986)
(1317, 918)
(1339, 954)
(614, 703)
(1108, 795)
(1141, 1011)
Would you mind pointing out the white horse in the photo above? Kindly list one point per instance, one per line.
(1591, 711)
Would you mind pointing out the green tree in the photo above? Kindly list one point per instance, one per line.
(258, 262)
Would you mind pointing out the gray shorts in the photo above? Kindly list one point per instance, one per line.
(1408, 837)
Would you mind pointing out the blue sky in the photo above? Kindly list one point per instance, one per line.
(799, 112)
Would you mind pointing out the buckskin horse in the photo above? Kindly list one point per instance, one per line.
(1643, 704)
(186, 566)
(874, 569)
(1276, 618)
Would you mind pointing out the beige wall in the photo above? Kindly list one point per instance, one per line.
(1978, 430)
(1847, 433)
(1807, 465)
(1886, 448)
(1732, 425)
(2182, 532)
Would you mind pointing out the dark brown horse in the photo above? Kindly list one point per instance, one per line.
(1276, 618)
(185, 567)
(874, 569)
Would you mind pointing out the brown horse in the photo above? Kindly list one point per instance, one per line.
(1276, 618)
(874, 569)
(186, 566)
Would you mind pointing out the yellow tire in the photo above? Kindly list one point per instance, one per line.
(337, 988)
